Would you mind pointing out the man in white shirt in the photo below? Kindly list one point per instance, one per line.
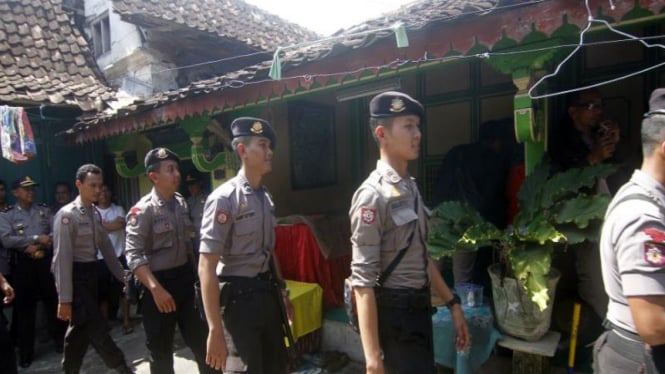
(110, 291)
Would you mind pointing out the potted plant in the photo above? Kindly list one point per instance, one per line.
(554, 211)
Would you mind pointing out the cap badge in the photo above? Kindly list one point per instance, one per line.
(257, 128)
(397, 105)
(161, 153)
(29, 180)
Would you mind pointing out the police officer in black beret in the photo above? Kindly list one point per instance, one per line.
(26, 229)
(238, 231)
(160, 253)
(388, 231)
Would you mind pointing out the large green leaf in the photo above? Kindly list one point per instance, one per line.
(531, 265)
(581, 209)
(538, 229)
(568, 184)
(576, 235)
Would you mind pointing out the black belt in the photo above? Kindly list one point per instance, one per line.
(174, 272)
(247, 285)
(407, 298)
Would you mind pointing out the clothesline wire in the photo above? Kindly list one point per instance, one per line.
(590, 21)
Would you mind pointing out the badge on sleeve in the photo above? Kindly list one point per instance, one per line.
(133, 220)
(368, 215)
(654, 251)
(65, 220)
(222, 216)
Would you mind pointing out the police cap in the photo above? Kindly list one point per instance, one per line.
(250, 126)
(158, 155)
(395, 104)
(192, 178)
(24, 181)
(657, 102)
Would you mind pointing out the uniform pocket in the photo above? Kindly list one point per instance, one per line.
(245, 227)
(245, 237)
(404, 220)
(162, 235)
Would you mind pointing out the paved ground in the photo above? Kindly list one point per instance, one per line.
(47, 361)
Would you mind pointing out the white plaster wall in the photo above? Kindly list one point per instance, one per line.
(125, 37)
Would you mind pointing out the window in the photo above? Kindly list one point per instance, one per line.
(101, 35)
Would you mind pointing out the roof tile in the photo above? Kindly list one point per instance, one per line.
(220, 17)
(31, 40)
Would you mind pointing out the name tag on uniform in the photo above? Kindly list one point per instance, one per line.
(245, 216)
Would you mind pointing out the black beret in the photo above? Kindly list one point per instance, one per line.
(192, 178)
(395, 104)
(657, 102)
(250, 126)
(24, 181)
(156, 155)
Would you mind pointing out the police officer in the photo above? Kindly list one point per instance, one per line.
(632, 247)
(195, 202)
(7, 355)
(26, 230)
(238, 232)
(197, 198)
(159, 252)
(77, 236)
(388, 217)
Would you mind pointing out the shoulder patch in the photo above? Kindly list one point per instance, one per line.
(654, 253)
(135, 210)
(654, 250)
(64, 220)
(222, 216)
(368, 215)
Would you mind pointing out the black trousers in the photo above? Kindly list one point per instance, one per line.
(160, 327)
(7, 356)
(88, 326)
(405, 331)
(252, 329)
(33, 281)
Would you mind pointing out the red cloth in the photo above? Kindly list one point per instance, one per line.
(516, 176)
(301, 260)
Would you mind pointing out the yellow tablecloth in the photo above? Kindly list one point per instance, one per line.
(307, 304)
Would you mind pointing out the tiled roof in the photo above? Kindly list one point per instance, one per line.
(44, 59)
(231, 19)
(415, 16)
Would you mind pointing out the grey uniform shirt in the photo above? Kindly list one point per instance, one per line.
(238, 224)
(632, 247)
(196, 204)
(158, 233)
(77, 236)
(385, 210)
(18, 226)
